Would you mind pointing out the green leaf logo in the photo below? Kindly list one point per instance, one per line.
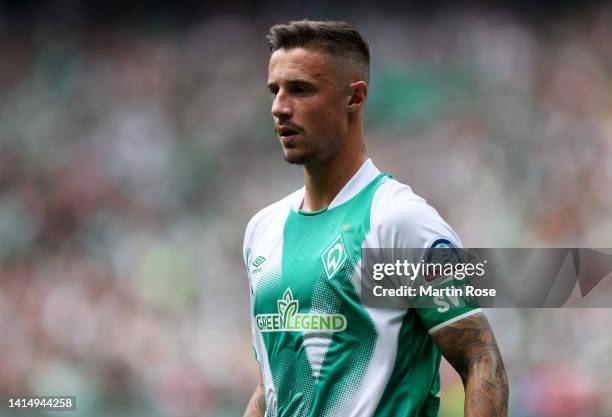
(287, 307)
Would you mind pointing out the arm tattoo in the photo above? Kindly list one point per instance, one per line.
(257, 404)
(470, 347)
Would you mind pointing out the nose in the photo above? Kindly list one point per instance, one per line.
(281, 106)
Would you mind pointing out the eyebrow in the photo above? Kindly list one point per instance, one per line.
(294, 81)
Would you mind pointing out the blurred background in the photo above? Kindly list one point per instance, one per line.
(136, 142)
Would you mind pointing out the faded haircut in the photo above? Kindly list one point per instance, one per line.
(335, 38)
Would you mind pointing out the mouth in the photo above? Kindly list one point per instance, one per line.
(287, 134)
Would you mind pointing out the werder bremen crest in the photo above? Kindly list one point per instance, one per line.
(289, 320)
(334, 257)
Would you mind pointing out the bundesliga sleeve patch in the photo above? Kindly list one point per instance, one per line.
(446, 279)
(441, 254)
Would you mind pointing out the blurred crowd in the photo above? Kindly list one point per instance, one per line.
(131, 161)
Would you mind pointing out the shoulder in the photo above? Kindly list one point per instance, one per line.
(401, 218)
(275, 213)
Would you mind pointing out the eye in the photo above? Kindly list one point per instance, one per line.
(273, 90)
(299, 89)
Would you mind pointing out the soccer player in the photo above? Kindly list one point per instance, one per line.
(321, 351)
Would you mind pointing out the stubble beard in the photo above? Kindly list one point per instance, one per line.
(314, 155)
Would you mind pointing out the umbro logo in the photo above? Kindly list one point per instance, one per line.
(334, 257)
(258, 261)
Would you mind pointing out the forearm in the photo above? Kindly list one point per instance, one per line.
(257, 404)
(470, 347)
(486, 387)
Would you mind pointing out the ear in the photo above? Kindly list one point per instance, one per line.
(358, 93)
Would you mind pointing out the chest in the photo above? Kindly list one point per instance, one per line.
(312, 261)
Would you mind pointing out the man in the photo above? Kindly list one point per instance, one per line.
(321, 351)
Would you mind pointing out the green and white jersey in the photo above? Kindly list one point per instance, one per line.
(321, 351)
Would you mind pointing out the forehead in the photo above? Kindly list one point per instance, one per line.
(298, 63)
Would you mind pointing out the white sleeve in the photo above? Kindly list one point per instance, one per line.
(401, 219)
(246, 256)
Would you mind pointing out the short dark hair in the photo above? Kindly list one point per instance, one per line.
(336, 38)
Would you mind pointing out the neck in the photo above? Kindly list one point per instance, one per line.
(324, 181)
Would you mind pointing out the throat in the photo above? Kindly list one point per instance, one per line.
(321, 188)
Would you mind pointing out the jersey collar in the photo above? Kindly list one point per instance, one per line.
(358, 182)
